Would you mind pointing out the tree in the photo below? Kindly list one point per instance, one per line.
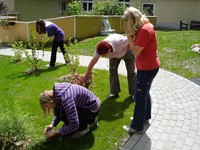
(3, 7)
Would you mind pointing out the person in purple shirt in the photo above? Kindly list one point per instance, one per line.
(74, 105)
(51, 29)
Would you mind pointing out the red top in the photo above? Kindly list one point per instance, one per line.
(148, 58)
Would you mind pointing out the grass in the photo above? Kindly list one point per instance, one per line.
(20, 92)
(174, 48)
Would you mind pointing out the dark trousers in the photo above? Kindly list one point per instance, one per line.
(54, 48)
(85, 116)
(142, 111)
(114, 78)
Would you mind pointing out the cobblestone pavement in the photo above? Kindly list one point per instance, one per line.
(175, 123)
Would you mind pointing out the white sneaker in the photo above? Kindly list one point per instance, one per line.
(95, 124)
(131, 130)
(50, 66)
(79, 134)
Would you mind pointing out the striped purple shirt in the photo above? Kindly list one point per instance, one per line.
(71, 96)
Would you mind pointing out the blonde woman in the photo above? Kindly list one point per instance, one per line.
(74, 105)
(143, 42)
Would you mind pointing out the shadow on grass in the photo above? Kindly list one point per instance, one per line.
(112, 109)
(43, 70)
(66, 143)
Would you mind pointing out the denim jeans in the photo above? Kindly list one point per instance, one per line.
(142, 98)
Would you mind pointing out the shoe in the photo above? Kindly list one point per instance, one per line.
(131, 130)
(146, 121)
(79, 134)
(49, 66)
(95, 124)
(113, 95)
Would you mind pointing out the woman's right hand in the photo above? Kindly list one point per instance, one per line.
(48, 128)
(82, 80)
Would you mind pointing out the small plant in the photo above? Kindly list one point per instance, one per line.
(73, 57)
(12, 134)
(33, 55)
(4, 23)
(18, 48)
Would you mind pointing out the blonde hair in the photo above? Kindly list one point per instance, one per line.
(45, 97)
(135, 19)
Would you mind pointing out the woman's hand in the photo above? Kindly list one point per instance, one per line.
(50, 134)
(48, 128)
(83, 79)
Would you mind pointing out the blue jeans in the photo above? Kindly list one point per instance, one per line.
(142, 98)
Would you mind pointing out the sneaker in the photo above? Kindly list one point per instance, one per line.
(95, 124)
(79, 134)
(147, 121)
(131, 130)
(49, 66)
(113, 95)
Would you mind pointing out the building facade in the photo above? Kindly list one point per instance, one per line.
(168, 12)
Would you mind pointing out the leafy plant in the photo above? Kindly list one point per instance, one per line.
(33, 56)
(18, 49)
(4, 23)
(73, 57)
(12, 134)
(74, 8)
(3, 7)
(107, 8)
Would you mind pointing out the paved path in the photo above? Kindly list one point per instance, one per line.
(175, 123)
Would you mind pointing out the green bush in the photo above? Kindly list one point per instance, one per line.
(74, 8)
(107, 8)
(12, 135)
(3, 7)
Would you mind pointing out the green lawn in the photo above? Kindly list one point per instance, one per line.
(174, 49)
(19, 101)
(20, 94)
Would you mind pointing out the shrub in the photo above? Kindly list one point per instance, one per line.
(72, 56)
(32, 56)
(3, 7)
(18, 49)
(107, 8)
(74, 8)
(12, 135)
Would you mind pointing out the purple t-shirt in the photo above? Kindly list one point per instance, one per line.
(53, 30)
(71, 96)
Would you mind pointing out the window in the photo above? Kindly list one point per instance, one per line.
(148, 8)
(127, 3)
(62, 6)
(87, 5)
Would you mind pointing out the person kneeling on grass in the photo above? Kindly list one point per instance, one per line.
(73, 104)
